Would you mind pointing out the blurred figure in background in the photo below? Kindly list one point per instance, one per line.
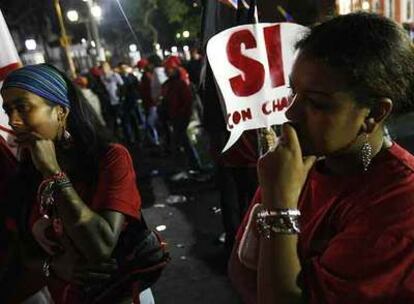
(177, 100)
(90, 97)
(96, 85)
(132, 119)
(182, 72)
(194, 66)
(158, 78)
(150, 105)
(114, 85)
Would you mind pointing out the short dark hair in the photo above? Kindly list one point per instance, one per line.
(374, 53)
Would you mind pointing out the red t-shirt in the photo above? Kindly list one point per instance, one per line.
(178, 98)
(115, 190)
(8, 165)
(357, 239)
(145, 91)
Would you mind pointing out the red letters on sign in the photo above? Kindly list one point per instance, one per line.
(253, 71)
(276, 105)
(274, 55)
(238, 116)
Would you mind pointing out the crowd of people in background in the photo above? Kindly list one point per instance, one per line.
(150, 103)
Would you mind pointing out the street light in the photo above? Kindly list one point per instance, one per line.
(96, 11)
(73, 16)
(94, 14)
(365, 5)
(30, 44)
(186, 34)
(178, 35)
(133, 48)
(345, 7)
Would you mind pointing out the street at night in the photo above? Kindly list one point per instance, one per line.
(206, 151)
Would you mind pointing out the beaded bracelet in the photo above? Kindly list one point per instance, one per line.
(46, 190)
(279, 221)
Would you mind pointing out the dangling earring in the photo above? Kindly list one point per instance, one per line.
(366, 153)
(66, 139)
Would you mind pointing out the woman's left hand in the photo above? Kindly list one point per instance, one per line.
(39, 231)
(42, 151)
(282, 172)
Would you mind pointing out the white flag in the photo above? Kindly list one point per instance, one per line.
(9, 61)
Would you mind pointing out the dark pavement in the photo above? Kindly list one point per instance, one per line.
(197, 271)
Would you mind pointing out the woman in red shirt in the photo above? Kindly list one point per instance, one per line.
(77, 187)
(339, 230)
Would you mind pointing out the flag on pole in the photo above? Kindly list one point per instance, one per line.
(9, 61)
(285, 14)
(234, 3)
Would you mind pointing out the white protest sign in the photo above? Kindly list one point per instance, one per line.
(251, 65)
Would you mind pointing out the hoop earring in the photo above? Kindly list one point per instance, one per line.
(366, 154)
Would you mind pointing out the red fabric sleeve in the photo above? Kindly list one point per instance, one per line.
(145, 91)
(355, 270)
(371, 261)
(8, 165)
(116, 189)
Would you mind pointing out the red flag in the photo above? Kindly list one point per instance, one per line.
(9, 61)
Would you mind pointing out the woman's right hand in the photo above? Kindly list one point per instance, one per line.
(70, 266)
(39, 232)
(94, 273)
